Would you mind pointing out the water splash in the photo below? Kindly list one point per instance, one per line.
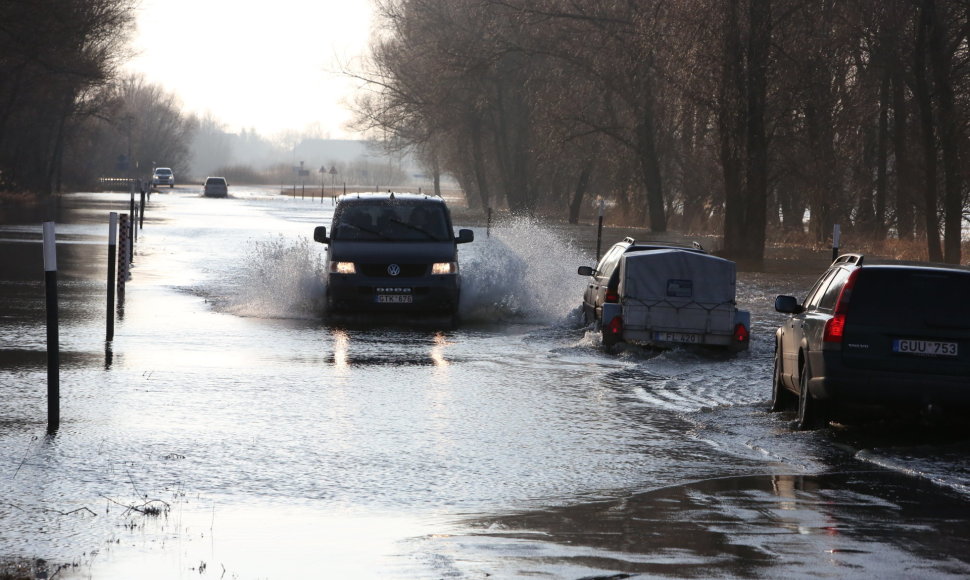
(523, 272)
(281, 279)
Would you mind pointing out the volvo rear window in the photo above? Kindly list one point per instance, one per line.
(911, 298)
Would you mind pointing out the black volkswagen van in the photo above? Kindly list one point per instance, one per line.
(392, 253)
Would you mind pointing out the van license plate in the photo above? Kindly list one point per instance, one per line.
(394, 299)
(924, 347)
(677, 337)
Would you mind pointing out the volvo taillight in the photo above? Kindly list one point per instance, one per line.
(835, 326)
(612, 296)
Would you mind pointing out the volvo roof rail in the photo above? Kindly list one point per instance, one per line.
(850, 259)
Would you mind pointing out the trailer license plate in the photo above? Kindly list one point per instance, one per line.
(394, 299)
(677, 337)
(924, 347)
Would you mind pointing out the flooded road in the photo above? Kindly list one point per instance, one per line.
(230, 431)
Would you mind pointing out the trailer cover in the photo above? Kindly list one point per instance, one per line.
(677, 291)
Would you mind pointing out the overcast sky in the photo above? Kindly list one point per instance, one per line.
(270, 66)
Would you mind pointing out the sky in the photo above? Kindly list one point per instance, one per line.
(271, 66)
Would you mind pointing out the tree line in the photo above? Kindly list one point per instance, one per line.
(743, 117)
(68, 113)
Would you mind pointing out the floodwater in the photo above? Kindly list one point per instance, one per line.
(229, 431)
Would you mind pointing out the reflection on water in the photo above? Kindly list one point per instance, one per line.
(340, 342)
(438, 351)
(387, 348)
(837, 525)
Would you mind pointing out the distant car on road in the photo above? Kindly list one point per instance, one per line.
(892, 334)
(215, 187)
(392, 254)
(163, 176)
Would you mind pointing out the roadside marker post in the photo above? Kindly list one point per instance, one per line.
(599, 229)
(53, 339)
(124, 247)
(836, 235)
(112, 263)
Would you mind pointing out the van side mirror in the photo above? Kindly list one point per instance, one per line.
(788, 305)
(465, 236)
(585, 271)
(320, 235)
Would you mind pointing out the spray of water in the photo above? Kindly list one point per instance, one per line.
(281, 279)
(523, 272)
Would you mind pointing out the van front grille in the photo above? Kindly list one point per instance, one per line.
(381, 270)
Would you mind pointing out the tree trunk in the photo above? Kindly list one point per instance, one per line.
(929, 138)
(942, 65)
(756, 202)
(882, 160)
(904, 176)
(650, 165)
(582, 184)
(730, 126)
(744, 149)
(478, 162)
(436, 173)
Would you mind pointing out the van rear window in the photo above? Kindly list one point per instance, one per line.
(911, 298)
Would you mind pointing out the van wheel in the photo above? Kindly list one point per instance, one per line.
(453, 321)
(811, 411)
(781, 398)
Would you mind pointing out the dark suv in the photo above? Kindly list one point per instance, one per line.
(893, 334)
(604, 279)
(392, 253)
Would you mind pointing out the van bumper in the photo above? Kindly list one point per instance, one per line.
(352, 293)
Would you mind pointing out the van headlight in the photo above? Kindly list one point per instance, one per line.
(342, 268)
(440, 268)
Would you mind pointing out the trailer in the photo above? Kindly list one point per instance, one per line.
(676, 297)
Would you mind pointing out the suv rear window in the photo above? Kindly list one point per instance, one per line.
(399, 221)
(911, 298)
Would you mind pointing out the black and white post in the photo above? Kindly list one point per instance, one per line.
(836, 235)
(112, 262)
(53, 340)
(599, 228)
(132, 222)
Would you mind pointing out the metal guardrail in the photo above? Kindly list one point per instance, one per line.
(116, 183)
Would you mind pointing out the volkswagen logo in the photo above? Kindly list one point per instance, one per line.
(393, 269)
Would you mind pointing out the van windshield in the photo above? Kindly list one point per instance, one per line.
(398, 221)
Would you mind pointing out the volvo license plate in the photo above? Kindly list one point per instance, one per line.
(925, 347)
